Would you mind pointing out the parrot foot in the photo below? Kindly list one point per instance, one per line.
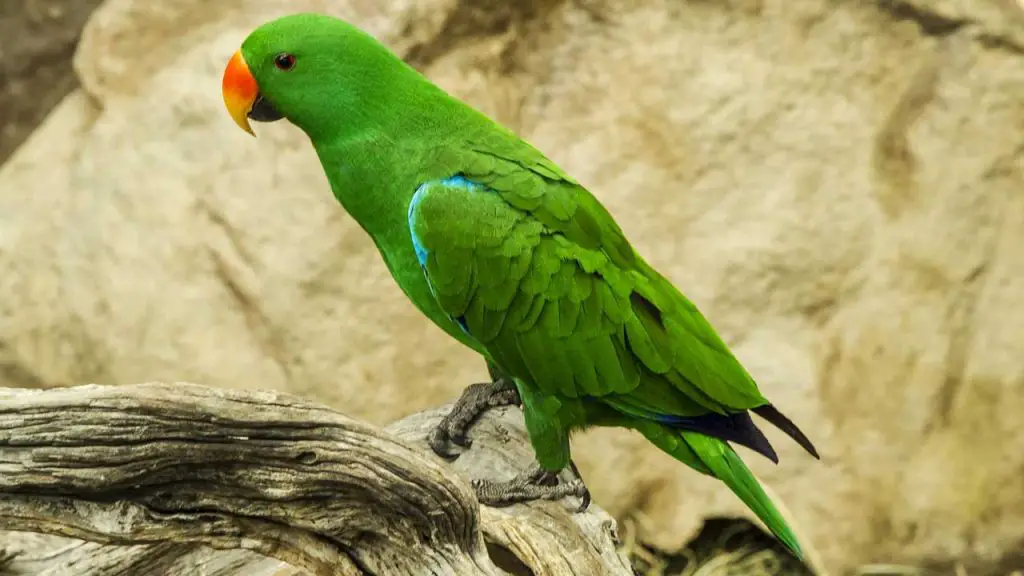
(474, 401)
(534, 484)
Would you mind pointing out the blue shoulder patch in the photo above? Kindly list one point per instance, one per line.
(421, 251)
(457, 181)
(460, 181)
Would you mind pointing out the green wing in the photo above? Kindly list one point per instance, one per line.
(536, 270)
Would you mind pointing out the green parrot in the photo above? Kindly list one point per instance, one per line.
(512, 257)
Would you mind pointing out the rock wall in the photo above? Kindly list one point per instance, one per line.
(37, 39)
(836, 183)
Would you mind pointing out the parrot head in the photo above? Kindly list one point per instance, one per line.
(316, 71)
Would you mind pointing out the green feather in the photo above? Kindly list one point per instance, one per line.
(476, 225)
(725, 464)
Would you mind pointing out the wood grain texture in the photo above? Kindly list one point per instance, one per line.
(178, 478)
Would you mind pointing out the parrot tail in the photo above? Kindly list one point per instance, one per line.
(714, 457)
(779, 420)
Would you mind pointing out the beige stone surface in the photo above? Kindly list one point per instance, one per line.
(836, 183)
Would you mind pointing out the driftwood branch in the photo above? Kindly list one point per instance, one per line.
(184, 479)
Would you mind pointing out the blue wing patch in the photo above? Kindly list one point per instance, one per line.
(457, 181)
(421, 250)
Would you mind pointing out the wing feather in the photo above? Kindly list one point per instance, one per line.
(537, 271)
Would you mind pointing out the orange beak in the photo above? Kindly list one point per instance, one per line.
(240, 91)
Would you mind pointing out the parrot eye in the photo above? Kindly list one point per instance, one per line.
(284, 61)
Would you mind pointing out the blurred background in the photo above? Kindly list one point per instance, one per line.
(836, 183)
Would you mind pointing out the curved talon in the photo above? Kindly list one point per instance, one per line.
(439, 442)
(584, 500)
(585, 494)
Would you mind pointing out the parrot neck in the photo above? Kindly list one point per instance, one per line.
(374, 169)
(382, 146)
(374, 175)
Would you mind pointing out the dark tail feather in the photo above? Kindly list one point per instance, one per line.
(777, 419)
(737, 428)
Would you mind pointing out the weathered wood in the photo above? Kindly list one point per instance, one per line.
(180, 479)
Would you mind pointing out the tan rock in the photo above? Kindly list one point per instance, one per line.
(836, 184)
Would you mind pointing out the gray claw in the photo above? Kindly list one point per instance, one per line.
(440, 442)
(534, 484)
(585, 497)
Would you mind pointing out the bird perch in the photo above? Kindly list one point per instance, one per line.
(185, 479)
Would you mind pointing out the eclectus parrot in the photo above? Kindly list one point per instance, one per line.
(512, 257)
